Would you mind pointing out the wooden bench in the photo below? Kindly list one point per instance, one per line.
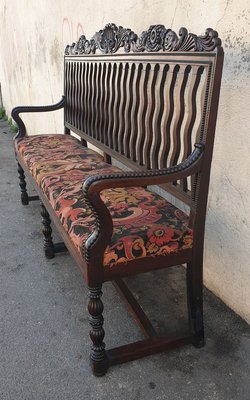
(149, 102)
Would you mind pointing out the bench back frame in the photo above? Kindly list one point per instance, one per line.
(146, 101)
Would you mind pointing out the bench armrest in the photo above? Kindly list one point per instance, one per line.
(27, 109)
(98, 240)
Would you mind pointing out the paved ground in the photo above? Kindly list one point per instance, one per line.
(44, 342)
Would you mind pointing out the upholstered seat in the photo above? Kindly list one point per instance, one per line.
(145, 224)
(45, 148)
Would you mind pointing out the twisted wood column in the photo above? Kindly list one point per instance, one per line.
(98, 355)
(47, 231)
(22, 184)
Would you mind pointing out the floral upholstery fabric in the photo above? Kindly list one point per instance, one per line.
(45, 149)
(145, 224)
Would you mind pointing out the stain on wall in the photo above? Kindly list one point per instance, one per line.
(56, 54)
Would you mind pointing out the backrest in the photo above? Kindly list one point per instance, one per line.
(145, 100)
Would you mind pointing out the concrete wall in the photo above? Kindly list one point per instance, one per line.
(32, 39)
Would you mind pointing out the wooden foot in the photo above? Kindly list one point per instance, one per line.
(22, 184)
(98, 355)
(195, 304)
(47, 231)
(60, 247)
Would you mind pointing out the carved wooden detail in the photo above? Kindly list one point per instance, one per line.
(156, 38)
(97, 237)
(22, 184)
(98, 354)
(47, 231)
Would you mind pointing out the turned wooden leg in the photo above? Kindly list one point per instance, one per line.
(47, 231)
(195, 303)
(98, 356)
(22, 184)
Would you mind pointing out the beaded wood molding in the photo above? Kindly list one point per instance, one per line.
(156, 38)
(99, 210)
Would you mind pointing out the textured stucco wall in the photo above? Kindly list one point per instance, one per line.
(33, 36)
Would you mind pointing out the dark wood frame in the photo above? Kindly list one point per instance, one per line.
(197, 164)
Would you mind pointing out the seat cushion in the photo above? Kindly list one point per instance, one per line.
(42, 149)
(145, 224)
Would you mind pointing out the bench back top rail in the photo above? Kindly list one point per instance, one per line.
(145, 100)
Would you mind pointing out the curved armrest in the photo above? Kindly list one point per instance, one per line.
(98, 240)
(27, 109)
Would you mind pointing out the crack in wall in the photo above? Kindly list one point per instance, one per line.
(171, 26)
(224, 13)
(236, 189)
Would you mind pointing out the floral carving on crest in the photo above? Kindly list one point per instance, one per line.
(157, 38)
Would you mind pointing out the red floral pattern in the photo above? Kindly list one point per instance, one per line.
(162, 235)
(41, 151)
(145, 224)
